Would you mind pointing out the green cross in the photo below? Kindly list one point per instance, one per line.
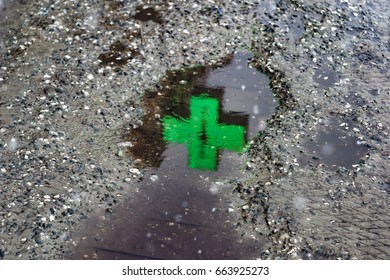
(203, 135)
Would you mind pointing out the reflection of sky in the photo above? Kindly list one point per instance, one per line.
(244, 100)
(247, 91)
(334, 145)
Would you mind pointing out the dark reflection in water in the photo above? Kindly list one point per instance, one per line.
(243, 94)
(175, 211)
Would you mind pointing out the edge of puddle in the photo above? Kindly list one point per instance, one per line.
(235, 238)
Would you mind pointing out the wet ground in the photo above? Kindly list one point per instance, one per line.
(241, 97)
(175, 213)
(184, 208)
(79, 90)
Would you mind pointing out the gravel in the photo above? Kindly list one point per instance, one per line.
(72, 75)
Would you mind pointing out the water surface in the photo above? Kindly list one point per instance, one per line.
(192, 144)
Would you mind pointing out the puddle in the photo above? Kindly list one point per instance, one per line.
(184, 205)
(240, 94)
(325, 77)
(334, 145)
(177, 213)
(202, 133)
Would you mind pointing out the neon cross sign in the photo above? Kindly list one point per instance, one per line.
(203, 134)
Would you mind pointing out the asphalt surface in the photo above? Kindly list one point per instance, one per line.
(72, 74)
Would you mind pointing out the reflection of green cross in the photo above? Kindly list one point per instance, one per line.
(203, 135)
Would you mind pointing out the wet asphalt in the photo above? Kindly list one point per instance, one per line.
(313, 183)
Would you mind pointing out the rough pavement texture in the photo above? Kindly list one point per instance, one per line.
(72, 74)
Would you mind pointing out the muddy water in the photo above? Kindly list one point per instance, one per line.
(184, 205)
